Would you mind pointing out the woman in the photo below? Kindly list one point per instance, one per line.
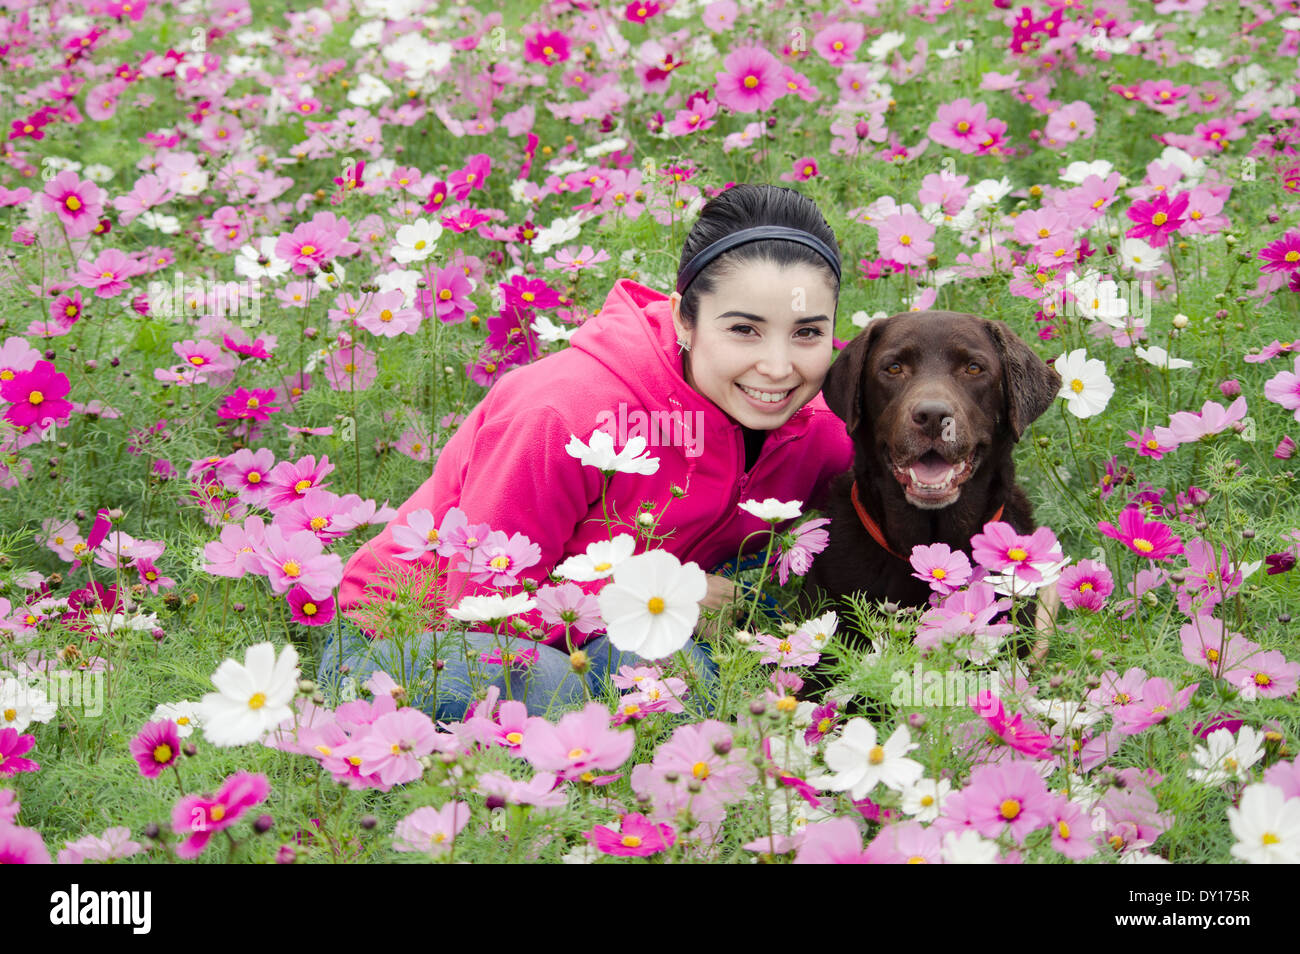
(722, 378)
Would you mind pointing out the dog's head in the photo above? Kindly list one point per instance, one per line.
(931, 394)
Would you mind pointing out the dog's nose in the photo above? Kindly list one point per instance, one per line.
(930, 415)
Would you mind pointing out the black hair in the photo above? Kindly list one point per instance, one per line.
(745, 206)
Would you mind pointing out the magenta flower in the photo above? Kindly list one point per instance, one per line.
(1149, 539)
(1148, 445)
(246, 405)
(12, 747)
(1282, 255)
(751, 80)
(1085, 586)
(1010, 796)
(246, 472)
(299, 560)
(799, 546)
(36, 396)
(942, 568)
(904, 237)
(823, 721)
(307, 610)
(204, 816)
(581, 741)
(1024, 738)
(1158, 702)
(78, 204)
(22, 846)
(156, 747)
(1158, 219)
(638, 838)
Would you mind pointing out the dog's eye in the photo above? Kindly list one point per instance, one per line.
(973, 368)
(893, 368)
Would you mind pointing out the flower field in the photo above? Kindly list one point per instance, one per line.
(262, 259)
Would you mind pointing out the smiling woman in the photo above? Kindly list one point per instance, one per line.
(738, 352)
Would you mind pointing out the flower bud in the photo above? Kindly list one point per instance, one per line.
(263, 824)
(1180, 321)
(286, 855)
(916, 720)
(368, 822)
(578, 661)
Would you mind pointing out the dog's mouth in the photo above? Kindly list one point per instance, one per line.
(931, 481)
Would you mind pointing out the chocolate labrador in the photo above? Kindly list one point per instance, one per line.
(934, 402)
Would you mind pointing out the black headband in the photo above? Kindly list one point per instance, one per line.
(757, 234)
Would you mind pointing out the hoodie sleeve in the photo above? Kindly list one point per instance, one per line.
(835, 450)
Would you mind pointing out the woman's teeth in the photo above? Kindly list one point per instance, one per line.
(767, 397)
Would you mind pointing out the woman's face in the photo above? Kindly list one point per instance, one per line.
(761, 345)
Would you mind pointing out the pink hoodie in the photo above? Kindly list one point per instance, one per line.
(506, 465)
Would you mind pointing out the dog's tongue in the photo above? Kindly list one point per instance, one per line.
(931, 468)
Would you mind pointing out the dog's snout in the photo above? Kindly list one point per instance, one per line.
(930, 415)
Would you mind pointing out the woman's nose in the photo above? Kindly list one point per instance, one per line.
(775, 362)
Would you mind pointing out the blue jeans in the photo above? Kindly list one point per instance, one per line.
(547, 686)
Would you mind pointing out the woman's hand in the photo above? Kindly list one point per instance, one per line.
(721, 592)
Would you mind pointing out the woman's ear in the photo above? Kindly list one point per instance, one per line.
(675, 302)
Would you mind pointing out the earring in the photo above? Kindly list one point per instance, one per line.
(682, 346)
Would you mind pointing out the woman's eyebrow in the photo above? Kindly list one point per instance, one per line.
(761, 320)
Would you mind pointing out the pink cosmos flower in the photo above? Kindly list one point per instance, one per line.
(503, 558)
(905, 238)
(1267, 675)
(1149, 539)
(581, 741)
(967, 613)
(540, 791)
(751, 80)
(943, 569)
(299, 560)
(236, 552)
(313, 243)
(693, 753)
(351, 369)
(1010, 796)
(78, 204)
(1207, 642)
(1085, 586)
(394, 745)
(12, 748)
(36, 396)
(1000, 549)
(1282, 255)
(1158, 219)
(961, 125)
(431, 830)
(22, 846)
(246, 405)
(905, 843)
(386, 316)
(834, 842)
(638, 837)
(795, 649)
(246, 472)
(156, 747)
(1071, 829)
(798, 547)
(507, 730)
(1187, 427)
(291, 480)
(569, 605)
(203, 816)
(1157, 703)
(1012, 730)
(1284, 389)
(839, 42)
(108, 275)
(1147, 445)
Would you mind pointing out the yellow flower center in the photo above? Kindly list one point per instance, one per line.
(700, 770)
(309, 609)
(1262, 679)
(751, 82)
(963, 126)
(253, 477)
(876, 755)
(1159, 219)
(302, 486)
(257, 701)
(385, 315)
(11, 715)
(1009, 809)
(631, 841)
(1076, 386)
(577, 753)
(163, 753)
(655, 606)
(514, 738)
(905, 240)
(499, 562)
(784, 646)
(927, 801)
(1143, 545)
(308, 250)
(1269, 838)
(824, 726)
(36, 397)
(1063, 830)
(1292, 256)
(217, 812)
(291, 568)
(72, 202)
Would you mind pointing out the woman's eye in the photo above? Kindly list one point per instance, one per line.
(812, 333)
(973, 368)
(742, 330)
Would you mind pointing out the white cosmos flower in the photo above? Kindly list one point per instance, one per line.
(560, 231)
(1225, 758)
(246, 263)
(988, 192)
(599, 453)
(968, 848)
(21, 705)
(860, 763)
(1099, 299)
(1266, 826)
(1140, 256)
(1085, 385)
(773, 510)
(600, 560)
(251, 699)
(820, 630)
(166, 224)
(491, 609)
(415, 242)
(885, 44)
(184, 714)
(1076, 172)
(653, 604)
(1160, 358)
(549, 332)
(923, 799)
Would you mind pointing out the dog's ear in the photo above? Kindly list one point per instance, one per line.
(842, 388)
(1029, 386)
